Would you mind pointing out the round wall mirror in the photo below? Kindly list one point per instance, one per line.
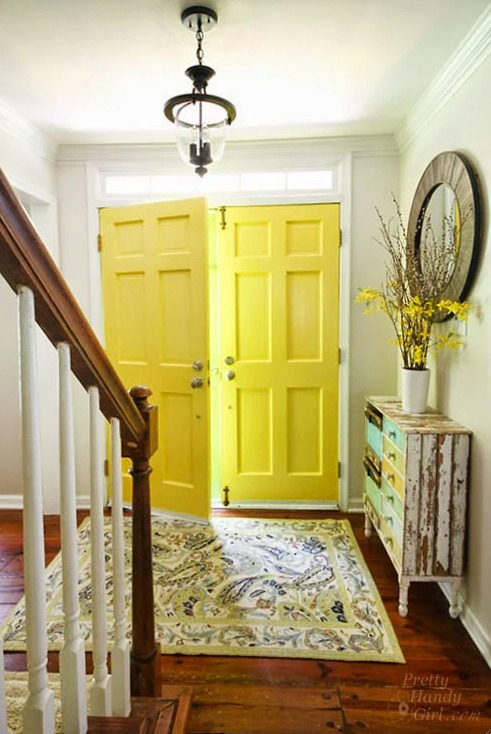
(444, 228)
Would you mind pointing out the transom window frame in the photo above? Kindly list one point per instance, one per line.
(125, 185)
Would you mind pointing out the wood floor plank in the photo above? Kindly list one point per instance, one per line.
(266, 696)
(243, 709)
(442, 708)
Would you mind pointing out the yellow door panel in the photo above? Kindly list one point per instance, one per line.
(279, 352)
(155, 306)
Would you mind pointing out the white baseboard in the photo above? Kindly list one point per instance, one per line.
(216, 504)
(355, 505)
(473, 626)
(16, 502)
(11, 502)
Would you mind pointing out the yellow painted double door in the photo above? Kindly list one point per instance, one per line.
(264, 340)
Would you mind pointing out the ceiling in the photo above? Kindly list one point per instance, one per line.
(100, 70)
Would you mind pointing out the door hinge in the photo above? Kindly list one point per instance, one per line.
(225, 499)
(223, 222)
(340, 237)
(106, 468)
(99, 243)
(340, 355)
(339, 470)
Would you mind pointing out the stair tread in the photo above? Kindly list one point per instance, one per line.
(106, 724)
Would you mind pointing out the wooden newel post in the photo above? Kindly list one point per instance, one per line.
(145, 663)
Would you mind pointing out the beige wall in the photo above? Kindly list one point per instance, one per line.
(462, 385)
(25, 159)
(372, 359)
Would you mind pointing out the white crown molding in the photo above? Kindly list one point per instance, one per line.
(469, 55)
(312, 152)
(17, 127)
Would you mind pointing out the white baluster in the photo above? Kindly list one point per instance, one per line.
(120, 653)
(3, 702)
(38, 714)
(100, 690)
(72, 655)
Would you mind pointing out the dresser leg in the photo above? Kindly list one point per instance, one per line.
(403, 595)
(454, 598)
(368, 526)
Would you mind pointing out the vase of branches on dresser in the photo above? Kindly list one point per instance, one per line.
(412, 299)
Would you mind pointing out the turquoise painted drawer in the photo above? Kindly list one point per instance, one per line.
(394, 433)
(392, 497)
(390, 517)
(374, 438)
(373, 493)
(373, 430)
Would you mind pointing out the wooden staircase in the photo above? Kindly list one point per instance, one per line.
(165, 715)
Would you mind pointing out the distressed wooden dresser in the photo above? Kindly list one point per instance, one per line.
(416, 480)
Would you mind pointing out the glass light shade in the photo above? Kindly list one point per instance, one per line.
(201, 133)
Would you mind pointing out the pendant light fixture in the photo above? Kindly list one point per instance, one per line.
(201, 119)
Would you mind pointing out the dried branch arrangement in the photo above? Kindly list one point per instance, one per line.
(415, 281)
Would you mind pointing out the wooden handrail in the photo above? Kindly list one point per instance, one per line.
(24, 260)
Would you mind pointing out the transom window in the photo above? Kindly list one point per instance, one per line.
(123, 184)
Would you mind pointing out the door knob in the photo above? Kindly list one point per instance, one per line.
(230, 375)
(196, 382)
(197, 365)
(229, 360)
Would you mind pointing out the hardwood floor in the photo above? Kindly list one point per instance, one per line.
(445, 685)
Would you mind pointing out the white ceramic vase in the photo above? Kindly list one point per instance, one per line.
(414, 390)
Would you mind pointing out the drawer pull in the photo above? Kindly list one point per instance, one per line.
(391, 455)
(392, 434)
(389, 498)
(388, 541)
(390, 477)
(388, 519)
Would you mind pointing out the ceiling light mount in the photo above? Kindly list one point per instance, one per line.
(199, 18)
(200, 118)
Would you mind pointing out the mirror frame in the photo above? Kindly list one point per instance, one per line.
(453, 169)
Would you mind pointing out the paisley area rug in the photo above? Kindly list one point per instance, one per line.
(265, 588)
